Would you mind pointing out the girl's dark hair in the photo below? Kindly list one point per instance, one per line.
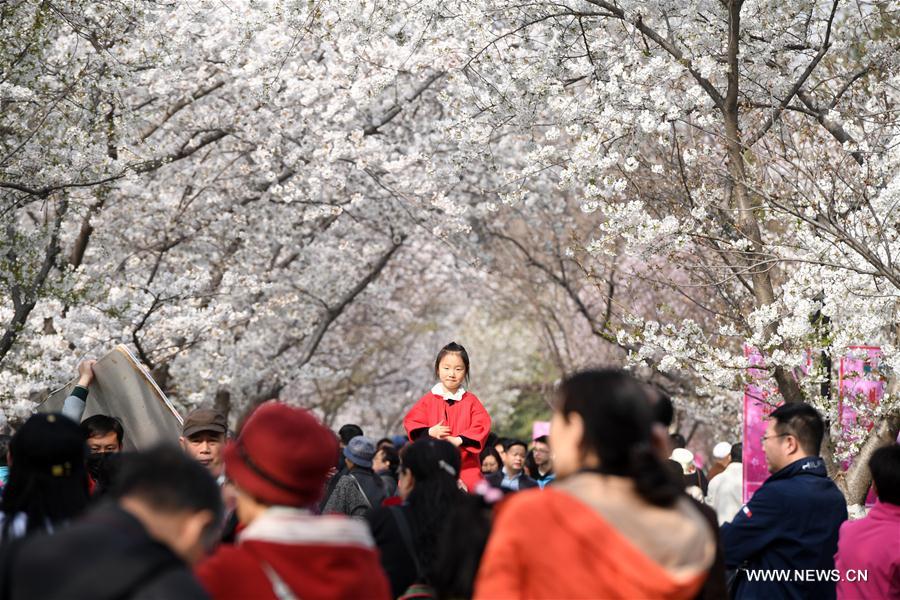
(452, 348)
(531, 468)
(435, 468)
(618, 421)
(465, 534)
(490, 451)
(48, 480)
(392, 458)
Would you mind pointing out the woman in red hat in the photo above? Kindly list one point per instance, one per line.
(279, 465)
(449, 412)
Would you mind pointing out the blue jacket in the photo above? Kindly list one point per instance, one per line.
(790, 524)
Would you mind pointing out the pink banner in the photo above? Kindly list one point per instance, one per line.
(756, 410)
(860, 389)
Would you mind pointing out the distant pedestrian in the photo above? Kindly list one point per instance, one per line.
(726, 492)
(104, 433)
(721, 457)
(345, 434)
(872, 545)
(543, 461)
(490, 461)
(512, 476)
(359, 488)
(614, 524)
(450, 412)
(791, 523)
(386, 465)
(4, 460)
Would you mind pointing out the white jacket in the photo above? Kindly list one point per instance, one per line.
(726, 492)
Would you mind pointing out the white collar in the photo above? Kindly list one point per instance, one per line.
(288, 525)
(440, 390)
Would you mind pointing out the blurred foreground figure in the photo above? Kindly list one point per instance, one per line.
(278, 465)
(614, 524)
(48, 481)
(409, 535)
(139, 546)
(872, 544)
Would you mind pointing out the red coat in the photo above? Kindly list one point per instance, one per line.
(323, 557)
(466, 418)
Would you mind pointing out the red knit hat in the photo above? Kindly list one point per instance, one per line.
(282, 456)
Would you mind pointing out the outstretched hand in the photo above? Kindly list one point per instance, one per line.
(86, 372)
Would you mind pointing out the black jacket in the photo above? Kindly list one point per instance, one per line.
(396, 559)
(496, 478)
(790, 524)
(105, 556)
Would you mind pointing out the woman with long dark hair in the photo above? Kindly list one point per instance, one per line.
(614, 524)
(408, 535)
(48, 482)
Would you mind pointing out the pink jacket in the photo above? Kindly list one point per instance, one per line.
(872, 545)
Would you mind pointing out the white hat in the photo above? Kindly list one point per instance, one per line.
(721, 450)
(683, 456)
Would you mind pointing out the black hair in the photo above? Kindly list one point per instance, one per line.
(510, 442)
(677, 440)
(502, 441)
(543, 439)
(531, 468)
(348, 432)
(885, 468)
(4, 449)
(386, 441)
(676, 471)
(803, 422)
(490, 451)
(48, 482)
(168, 481)
(100, 425)
(392, 458)
(663, 409)
(434, 465)
(452, 348)
(618, 423)
(465, 532)
(737, 452)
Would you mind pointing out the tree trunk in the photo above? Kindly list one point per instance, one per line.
(763, 290)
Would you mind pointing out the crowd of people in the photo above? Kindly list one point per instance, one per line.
(609, 505)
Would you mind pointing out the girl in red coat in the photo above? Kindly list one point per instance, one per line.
(449, 412)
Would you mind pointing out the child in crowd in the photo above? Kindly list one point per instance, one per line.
(450, 412)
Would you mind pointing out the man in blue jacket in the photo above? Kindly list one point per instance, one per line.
(785, 538)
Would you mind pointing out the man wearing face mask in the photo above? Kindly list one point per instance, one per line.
(139, 546)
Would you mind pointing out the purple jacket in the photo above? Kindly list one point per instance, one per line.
(871, 544)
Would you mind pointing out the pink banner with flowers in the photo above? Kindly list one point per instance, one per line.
(860, 389)
(756, 409)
